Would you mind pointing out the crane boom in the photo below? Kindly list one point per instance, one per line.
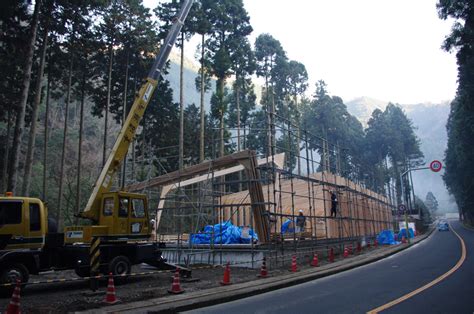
(129, 128)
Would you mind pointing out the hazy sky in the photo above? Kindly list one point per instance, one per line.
(385, 49)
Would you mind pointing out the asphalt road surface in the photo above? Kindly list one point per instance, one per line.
(369, 287)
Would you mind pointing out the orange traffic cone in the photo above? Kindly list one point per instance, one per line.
(110, 297)
(315, 261)
(263, 269)
(294, 267)
(376, 242)
(226, 280)
(359, 247)
(175, 287)
(368, 244)
(350, 249)
(346, 252)
(14, 305)
(331, 255)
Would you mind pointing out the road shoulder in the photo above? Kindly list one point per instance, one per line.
(218, 295)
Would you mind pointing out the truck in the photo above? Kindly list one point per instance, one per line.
(29, 243)
(29, 240)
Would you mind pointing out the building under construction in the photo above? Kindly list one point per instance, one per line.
(264, 194)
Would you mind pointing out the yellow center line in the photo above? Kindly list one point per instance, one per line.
(428, 285)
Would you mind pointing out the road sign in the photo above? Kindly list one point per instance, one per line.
(401, 209)
(436, 166)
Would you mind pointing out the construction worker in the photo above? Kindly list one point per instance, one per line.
(300, 221)
(333, 204)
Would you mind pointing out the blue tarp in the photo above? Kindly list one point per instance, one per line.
(403, 233)
(287, 226)
(387, 237)
(225, 233)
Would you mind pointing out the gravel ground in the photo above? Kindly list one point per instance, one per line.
(76, 296)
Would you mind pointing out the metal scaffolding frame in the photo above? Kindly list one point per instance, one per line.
(214, 195)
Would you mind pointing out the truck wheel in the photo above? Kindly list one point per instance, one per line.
(120, 265)
(12, 273)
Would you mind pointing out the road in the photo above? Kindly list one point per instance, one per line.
(369, 287)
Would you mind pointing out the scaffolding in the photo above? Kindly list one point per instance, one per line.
(264, 192)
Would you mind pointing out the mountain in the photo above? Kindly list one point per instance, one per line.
(429, 121)
(362, 108)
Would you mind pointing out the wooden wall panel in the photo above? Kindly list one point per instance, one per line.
(360, 211)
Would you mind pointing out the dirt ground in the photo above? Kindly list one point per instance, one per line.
(77, 296)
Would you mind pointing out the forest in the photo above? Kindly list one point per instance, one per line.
(71, 70)
(459, 176)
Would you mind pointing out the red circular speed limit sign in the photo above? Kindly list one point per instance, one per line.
(436, 165)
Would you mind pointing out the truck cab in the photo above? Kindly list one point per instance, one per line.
(123, 217)
(23, 234)
(23, 223)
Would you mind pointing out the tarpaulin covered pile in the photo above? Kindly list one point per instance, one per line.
(403, 233)
(224, 233)
(287, 226)
(387, 237)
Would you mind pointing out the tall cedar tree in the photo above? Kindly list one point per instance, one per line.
(267, 51)
(230, 23)
(459, 174)
(166, 13)
(203, 28)
(21, 107)
(14, 26)
(243, 97)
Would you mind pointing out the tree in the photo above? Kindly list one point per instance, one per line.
(137, 40)
(203, 28)
(403, 144)
(243, 98)
(21, 109)
(14, 32)
(267, 51)
(78, 21)
(228, 31)
(332, 131)
(459, 173)
(192, 126)
(109, 29)
(161, 129)
(166, 13)
(431, 202)
(425, 213)
(297, 85)
(376, 146)
(37, 99)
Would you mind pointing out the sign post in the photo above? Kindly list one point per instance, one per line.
(402, 210)
(436, 166)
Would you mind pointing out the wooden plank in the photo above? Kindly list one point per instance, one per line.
(181, 176)
(191, 171)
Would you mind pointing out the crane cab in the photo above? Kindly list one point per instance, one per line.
(123, 217)
(23, 223)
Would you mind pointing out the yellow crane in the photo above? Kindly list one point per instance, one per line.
(121, 214)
